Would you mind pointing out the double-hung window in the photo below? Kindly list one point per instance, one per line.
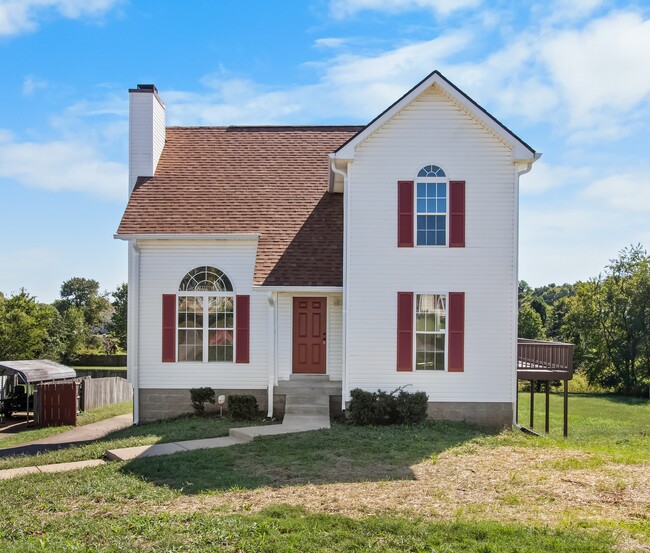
(431, 206)
(430, 331)
(206, 316)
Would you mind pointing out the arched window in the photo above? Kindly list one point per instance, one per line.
(431, 206)
(205, 279)
(206, 316)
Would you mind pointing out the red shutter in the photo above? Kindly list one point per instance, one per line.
(404, 331)
(456, 357)
(169, 328)
(405, 207)
(242, 339)
(457, 214)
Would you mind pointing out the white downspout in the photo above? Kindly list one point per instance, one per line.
(344, 372)
(133, 307)
(518, 173)
(271, 351)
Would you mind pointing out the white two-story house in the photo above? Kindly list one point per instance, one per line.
(368, 257)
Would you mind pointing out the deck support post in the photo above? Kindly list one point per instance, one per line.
(546, 425)
(532, 403)
(566, 407)
(517, 403)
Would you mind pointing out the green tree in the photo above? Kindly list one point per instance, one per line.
(28, 329)
(117, 324)
(83, 293)
(530, 323)
(612, 315)
(75, 333)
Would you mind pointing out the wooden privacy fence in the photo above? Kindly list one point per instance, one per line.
(56, 403)
(97, 392)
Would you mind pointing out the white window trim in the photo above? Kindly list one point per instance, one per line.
(415, 332)
(415, 207)
(205, 329)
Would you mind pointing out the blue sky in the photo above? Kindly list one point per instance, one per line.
(570, 78)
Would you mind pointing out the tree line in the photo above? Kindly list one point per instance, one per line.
(606, 317)
(82, 321)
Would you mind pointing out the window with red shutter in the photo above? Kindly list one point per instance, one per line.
(169, 328)
(242, 339)
(405, 331)
(456, 324)
(457, 214)
(405, 207)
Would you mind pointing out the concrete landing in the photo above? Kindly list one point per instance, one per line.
(59, 467)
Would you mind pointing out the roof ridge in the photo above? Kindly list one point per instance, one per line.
(201, 127)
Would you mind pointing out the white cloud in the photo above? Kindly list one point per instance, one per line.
(330, 42)
(600, 67)
(343, 8)
(31, 84)
(62, 165)
(544, 177)
(353, 88)
(627, 192)
(21, 16)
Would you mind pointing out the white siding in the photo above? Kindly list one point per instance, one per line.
(334, 334)
(162, 266)
(433, 130)
(146, 134)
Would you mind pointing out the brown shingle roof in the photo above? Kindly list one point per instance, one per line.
(271, 180)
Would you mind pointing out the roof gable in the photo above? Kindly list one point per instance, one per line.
(521, 151)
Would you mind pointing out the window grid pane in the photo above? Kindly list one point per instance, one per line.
(221, 320)
(219, 325)
(430, 324)
(431, 206)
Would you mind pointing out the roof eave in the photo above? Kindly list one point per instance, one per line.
(193, 236)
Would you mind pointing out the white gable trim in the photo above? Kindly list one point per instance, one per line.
(520, 150)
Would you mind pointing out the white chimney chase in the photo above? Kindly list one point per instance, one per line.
(146, 132)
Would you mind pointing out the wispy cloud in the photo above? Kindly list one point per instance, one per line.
(344, 8)
(23, 16)
(62, 165)
(627, 192)
(31, 84)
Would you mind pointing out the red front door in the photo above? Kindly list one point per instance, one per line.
(309, 335)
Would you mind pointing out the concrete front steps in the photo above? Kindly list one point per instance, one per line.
(308, 394)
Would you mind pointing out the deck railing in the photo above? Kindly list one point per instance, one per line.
(542, 355)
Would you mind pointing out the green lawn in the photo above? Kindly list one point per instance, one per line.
(441, 487)
(616, 426)
(182, 428)
(86, 417)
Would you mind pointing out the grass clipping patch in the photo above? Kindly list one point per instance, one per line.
(508, 484)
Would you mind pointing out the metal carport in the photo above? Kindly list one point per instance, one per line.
(30, 372)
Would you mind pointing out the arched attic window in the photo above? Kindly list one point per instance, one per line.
(205, 279)
(206, 316)
(431, 206)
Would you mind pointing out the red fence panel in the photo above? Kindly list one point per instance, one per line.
(57, 403)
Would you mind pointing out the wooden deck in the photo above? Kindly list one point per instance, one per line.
(538, 360)
(541, 360)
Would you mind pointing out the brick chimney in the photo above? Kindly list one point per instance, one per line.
(146, 131)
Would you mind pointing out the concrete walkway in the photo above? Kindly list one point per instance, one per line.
(77, 436)
(290, 424)
(59, 467)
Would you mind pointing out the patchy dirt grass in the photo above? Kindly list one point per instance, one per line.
(509, 485)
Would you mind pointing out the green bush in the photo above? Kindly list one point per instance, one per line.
(243, 407)
(199, 397)
(381, 408)
(411, 407)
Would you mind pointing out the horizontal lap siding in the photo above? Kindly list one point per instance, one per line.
(433, 130)
(163, 265)
(334, 335)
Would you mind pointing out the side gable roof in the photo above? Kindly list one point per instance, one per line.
(521, 151)
(236, 181)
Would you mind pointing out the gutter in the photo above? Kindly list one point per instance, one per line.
(189, 236)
